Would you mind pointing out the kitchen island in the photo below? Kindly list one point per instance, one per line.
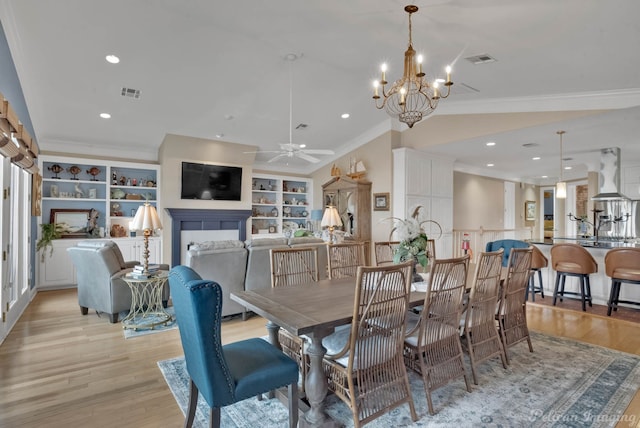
(600, 282)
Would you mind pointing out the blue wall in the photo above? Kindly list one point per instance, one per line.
(10, 84)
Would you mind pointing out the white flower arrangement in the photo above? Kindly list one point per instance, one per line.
(413, 238)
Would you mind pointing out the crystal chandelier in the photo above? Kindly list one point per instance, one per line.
(412, 97)
(561, 186)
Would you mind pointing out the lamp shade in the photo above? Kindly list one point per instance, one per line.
(331, 218)
(146, 218)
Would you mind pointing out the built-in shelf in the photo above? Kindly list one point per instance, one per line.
(279, 204)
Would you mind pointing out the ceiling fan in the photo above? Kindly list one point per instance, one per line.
(290, 150)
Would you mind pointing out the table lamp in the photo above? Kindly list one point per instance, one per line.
(146, 220)
(331, 219)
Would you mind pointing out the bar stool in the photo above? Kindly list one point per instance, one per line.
(622, 265)
(572, 260)
(538, 261)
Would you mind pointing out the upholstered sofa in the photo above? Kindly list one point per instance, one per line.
(224, 262)
(100, 267)
(239, 266)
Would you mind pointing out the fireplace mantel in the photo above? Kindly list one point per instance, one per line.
(204, 219)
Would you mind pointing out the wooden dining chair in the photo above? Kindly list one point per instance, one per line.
(512, 311)
(432, 343)
(384, 250)
(482, 340)
(345, 258)
(292, 266)
(431, 249)
(365, 365)
(289, 267)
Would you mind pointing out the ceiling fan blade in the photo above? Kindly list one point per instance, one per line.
(318, 152)
(303, 155)
(281, 155)
(289, 146)
(260, 151)
(274, 151)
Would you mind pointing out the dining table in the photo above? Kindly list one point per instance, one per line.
(313, 309)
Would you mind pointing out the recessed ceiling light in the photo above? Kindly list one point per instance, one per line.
(302, 146)
(112, 59)
(545, 176)
(105, 115)
(536, 158)
(567, 167)
(345, 115)
(491, 143)
(489, 164)
(219, 135)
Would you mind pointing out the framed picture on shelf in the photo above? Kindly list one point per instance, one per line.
(381, 201)
(75, 221)
(530, 211)
(272, 229)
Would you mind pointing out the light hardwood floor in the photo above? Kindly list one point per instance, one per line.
(61, 369)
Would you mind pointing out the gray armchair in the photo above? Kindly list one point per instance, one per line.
(100, 267)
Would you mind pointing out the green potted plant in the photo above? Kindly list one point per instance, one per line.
(50, 231)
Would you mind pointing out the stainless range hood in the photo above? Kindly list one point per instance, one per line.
(609, 176)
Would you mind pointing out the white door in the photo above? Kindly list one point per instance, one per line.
(509, 209)
(15, 237)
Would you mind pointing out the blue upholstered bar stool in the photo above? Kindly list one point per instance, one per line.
(538, 261)
(224, 374)
(507, 245)
(572, 260)
(621, 265)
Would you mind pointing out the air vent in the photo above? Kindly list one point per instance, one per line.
(529, 145)
(302, 126)
(481, 59)
(131, 93)
(567, 159)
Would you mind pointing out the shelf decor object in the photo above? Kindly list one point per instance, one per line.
(147, 221)
(411, 98)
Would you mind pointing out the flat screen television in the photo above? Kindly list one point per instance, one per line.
(211, 182)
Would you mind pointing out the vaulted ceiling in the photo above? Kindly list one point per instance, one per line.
(217, 70)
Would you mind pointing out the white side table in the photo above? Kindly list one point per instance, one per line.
(146, 311)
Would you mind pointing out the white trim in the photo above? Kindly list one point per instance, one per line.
(604, 100)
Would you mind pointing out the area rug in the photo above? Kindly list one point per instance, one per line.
(562, 383)
(129, 333)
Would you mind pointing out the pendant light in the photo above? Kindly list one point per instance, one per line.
(561, 186)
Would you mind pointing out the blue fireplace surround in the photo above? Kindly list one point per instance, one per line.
(201, 219)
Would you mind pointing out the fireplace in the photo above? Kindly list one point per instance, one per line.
(184, 219)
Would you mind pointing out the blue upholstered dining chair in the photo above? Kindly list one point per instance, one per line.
(507, 245)
(224, 374)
